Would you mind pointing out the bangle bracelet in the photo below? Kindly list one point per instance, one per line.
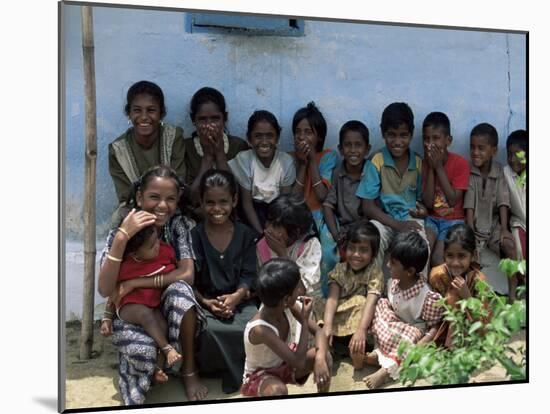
(301, 184)
(113, 258)
(124, 232)
(106, 319)
(317, 183)
(108, 313)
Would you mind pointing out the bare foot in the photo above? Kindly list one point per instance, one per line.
(172, 356)
(194, 389)
(160, 376)
(371, 358)
(376, 380)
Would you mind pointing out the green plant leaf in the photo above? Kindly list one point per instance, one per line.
(522, 267)
(515, 372)
(475, 326)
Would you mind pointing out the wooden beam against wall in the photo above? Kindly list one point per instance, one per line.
(87, 332)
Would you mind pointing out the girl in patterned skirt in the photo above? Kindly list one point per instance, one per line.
(354, 288)
(409, 313)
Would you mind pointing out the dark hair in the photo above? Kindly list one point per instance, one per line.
(316, 121)
(145, 88)
(217, 178)
(207, 95)
(259, 116)
(463, 235)
(158, 171)
(410, 249)
(355, 126)
(364, 230)
(138, 239)
(396, 114)
(290, 212)
(488, 130)
(438, 120)
(277, 278)
(519, 138)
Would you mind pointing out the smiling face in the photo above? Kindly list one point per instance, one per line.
(149, 249)
(398, 140)
(305, 132)
(457, 259)
(218, 204)
(481, 151)
(354, 149)
(263, 139)
(160, 197)
(513, 160)
(434, 136)
(359, 254)
(145, 115)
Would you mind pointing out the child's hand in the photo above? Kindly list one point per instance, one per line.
(459, 283)
(420, 212)
(321, 373)
(215, 306)
(302, 150)
(124, 288)
(137, 220)
(307, 306)
(106, 328)
(358, 342)
(228, 304)
(409, 225)
(275, 243)
(435, 155)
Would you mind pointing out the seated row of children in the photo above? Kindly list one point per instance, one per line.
(388, 190)
(225, 272)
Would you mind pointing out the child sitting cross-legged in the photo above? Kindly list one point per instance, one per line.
(271, 360)
(354, 288)
(410, 312)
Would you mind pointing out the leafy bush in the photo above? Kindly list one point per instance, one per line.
(476, 345)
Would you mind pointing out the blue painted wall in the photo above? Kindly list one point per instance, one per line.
(352, 71)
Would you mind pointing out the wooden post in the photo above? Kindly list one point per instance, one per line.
(87, 332)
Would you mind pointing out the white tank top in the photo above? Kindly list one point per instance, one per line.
(260, 356)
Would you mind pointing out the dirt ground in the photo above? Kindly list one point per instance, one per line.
(93, 383)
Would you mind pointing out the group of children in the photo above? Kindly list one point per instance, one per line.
(309, 235)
